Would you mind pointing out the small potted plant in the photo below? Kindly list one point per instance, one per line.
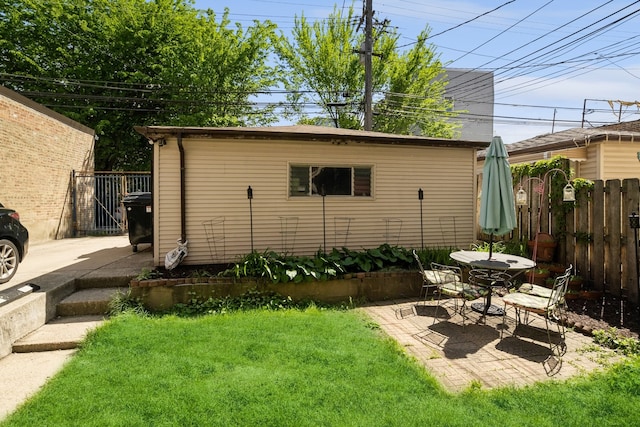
(543, 246)
(575, 283)
(556, 268)
(538, 276)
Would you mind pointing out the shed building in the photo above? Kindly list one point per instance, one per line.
(300, 189)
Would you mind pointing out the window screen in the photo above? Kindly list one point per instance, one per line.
(307, 180)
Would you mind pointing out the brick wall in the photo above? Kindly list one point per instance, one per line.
(39, 149)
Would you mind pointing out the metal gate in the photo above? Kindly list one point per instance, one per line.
(97, 200)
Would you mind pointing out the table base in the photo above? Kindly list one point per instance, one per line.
(493, 310)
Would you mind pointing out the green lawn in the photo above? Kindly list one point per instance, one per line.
(294, 368)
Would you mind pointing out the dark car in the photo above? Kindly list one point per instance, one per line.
(14, 243)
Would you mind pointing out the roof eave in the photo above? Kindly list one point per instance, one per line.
(307, 133)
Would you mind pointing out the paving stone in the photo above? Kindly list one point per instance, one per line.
(476, 351)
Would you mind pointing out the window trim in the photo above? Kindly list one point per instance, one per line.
(309, 191)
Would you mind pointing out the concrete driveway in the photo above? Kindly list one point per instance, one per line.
(50, 266)
(71, 257)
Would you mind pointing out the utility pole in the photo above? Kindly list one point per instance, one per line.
(368, 73)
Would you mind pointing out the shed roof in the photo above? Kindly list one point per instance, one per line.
(305, 133)
(573, 138)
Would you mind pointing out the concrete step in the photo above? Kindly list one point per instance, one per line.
(93, 301)
(62, 333)
(117, 278)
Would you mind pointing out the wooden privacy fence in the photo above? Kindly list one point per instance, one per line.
(593, 233)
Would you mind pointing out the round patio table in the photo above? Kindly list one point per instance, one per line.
(502, 264)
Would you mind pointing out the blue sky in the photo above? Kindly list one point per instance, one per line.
(562, 59)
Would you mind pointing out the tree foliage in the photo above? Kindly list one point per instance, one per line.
(113, 64)
(323, 67)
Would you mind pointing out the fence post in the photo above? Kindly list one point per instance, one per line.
(613, 275)
(597, 259)
(629, 205)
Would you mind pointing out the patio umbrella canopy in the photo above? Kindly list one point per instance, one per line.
(497, 205)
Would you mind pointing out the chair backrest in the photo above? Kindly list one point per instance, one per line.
(479, 277)
(415, 255)
(446, 273)
(559, 288)
(427, 276)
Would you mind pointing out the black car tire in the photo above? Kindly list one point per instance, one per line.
(9, 260)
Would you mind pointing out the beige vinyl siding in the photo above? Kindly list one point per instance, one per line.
(514, 159)
(574, 154)
(620, 160)
(166, 200)
(218, 173)
(589, 169)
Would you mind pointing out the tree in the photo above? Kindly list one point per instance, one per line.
(113, 64)
(323, 68)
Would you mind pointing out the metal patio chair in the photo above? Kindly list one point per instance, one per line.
(449, 282)
(428, 278)
(542, 291)
(550, 307)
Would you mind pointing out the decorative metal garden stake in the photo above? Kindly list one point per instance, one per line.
(421, 197)
(250, 197)
(634, 223)
(324, 223)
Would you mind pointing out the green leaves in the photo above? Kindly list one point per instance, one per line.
(277, 268)
(611, 338)
(112, 64)
(323, 66)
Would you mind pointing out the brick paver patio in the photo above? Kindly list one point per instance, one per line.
(459, 356)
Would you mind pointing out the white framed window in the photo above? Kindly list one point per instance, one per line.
(313, 180)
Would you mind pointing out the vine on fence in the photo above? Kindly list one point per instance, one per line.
(557, 182)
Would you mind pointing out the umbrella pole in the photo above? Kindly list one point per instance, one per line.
(490, 245)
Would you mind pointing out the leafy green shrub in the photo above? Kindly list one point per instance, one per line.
(146, 274)
(123, 302)
(250, 300)
(380, 258)
(497, 247)
(435, 254)
(611, 338)
(278, 268)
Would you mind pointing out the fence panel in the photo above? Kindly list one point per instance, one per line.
(595, 236)
(613, 278)
(98, 198)
(631, 197)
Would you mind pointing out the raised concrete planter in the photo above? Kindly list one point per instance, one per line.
(161, 294)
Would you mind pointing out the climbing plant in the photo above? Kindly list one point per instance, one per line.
(557, 173)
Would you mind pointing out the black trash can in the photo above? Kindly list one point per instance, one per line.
(139, 216)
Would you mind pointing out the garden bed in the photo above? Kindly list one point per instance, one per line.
(587, 315)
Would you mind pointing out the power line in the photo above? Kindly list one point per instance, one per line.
(461, 24)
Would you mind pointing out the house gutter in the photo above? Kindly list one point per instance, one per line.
(183, 221)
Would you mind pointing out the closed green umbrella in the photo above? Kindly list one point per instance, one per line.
(497, 205)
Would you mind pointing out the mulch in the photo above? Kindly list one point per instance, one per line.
(607, 311)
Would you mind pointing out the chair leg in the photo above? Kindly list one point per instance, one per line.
(504, 321)
(560, 348)
(435, 313)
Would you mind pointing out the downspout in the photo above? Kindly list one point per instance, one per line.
(183, 221)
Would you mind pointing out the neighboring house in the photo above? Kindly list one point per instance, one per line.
(472, 92)
(604, 152)
(39, 150)
(371, 182)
